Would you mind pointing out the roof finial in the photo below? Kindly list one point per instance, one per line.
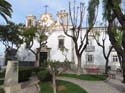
(46, 6)
(74, 2)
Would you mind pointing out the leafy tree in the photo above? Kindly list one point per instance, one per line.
(4, 35)
(15, 34)
(29, 35)
(10, 36)
(112, 13)
(54, 69)
(76, 18)
(5, 9)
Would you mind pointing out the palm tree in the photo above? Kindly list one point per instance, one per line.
(5, 9)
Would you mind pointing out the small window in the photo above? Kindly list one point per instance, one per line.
(61, 43)
(115, 58)
(90, 58)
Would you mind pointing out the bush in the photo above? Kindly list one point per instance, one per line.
(44, 75)
(66, 65)
(44, 64)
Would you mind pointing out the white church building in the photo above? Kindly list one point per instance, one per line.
(92, 56)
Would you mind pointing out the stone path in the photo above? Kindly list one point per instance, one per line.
(108, 86)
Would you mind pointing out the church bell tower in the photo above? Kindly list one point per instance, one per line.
(62, 16)
(30, 21)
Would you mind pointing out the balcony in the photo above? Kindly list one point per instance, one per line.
(90, 48)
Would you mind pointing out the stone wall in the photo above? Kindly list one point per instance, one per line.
(30, 86)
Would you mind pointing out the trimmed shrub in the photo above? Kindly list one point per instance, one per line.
(44, 75)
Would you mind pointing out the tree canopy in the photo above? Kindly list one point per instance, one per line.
(5, 9)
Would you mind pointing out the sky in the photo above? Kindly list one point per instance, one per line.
(23, 8)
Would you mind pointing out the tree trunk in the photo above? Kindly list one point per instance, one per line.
(54, 82)
(123, 68)
(79, 68)
(37, 64)
(5, 59)
(106, 67)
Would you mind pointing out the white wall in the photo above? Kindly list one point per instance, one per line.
(56, 54)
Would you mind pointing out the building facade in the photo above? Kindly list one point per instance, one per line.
(91, 57)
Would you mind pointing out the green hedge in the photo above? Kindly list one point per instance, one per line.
(2, 74)
(37, 69)
(26, 72)
(1, 82)
(2, 90)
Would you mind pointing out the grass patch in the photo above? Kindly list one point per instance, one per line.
(46, 87)
(86, 77)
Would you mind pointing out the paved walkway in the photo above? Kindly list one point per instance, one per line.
(108, 86)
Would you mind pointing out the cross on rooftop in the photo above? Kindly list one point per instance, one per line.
(46, 6)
